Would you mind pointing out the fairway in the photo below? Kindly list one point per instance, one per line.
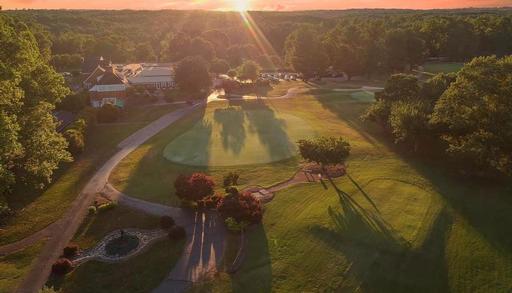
(235, 136)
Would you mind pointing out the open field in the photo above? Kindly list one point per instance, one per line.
(141, 273)
(13, 267)
(36, 210)
(394, 225)
(442, 67)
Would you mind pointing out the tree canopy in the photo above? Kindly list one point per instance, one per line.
(325, 150)
(192, 74)
(30, 148)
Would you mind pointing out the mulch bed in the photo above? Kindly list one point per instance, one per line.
(333, 171)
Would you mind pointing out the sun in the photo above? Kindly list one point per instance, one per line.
(241, 5)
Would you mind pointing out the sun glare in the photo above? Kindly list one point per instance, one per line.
(241, 5)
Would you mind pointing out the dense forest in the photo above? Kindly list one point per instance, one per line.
(371, 40)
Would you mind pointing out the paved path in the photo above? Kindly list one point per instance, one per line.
(68, 225)
(204, 247)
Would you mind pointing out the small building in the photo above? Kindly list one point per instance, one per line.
(108, 84)
(109, 87)
(157, 76)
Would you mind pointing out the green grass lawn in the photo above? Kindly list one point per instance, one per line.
(141, 273)
(395, 225)
(36, 209)
(234, 135)
(442, 67)
(13, 267)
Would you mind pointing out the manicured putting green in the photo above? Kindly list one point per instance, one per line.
(233, 136)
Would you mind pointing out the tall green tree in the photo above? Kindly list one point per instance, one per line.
(249, 70)
(192, 75)
(305, 52)
(31, 149)
(475, 114)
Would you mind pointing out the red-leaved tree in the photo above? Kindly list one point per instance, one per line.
(241, 207)
(194, 187)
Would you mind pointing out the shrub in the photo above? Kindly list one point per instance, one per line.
(235, 226)
(75, 140)
(5, 213)
(194, 187)
(241, 207)
(62, 266)
(177, 233)
(231, 179)
(166, 222)
(209, 202)
(92, 210)
(108, 114)
(70, 251)
(106, 206)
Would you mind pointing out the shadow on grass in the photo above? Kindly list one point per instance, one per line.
(233, 134)
(483, 205)
(255, 275)
(380, 260)
(270, 129)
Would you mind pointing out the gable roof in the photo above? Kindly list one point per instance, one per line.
(93, 77)
(110, 77)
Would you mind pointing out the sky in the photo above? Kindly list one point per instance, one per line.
(249, 4)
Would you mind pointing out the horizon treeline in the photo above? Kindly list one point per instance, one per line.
(392, 38)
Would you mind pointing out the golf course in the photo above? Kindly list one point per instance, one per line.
(393, 223)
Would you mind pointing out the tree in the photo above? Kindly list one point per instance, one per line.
(305, 52)
(219, 66)
(325, 150)
(409, 121)
(475, 115)
(192, 75)
(30, 148)
(202, 48)
(242, 207)
(403, 48)
(249, 70)
(145, 53)
(75, 139)
(194, 187)
(435, 86)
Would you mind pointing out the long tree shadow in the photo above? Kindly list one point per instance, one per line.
(380, 260)
(255, 275)
(233, 134)
(270, 129)
(474, 199)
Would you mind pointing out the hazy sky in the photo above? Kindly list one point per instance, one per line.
(252, 4)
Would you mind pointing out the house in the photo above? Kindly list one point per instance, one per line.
(89, 64)
(108, 87)
(108, 84)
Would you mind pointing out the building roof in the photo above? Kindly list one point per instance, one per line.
(108, 88)
(152, 73)
(110, 77)
(93, 78)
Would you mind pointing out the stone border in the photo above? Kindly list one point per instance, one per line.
(146, 237)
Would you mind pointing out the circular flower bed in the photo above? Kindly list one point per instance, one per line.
(122, 246)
